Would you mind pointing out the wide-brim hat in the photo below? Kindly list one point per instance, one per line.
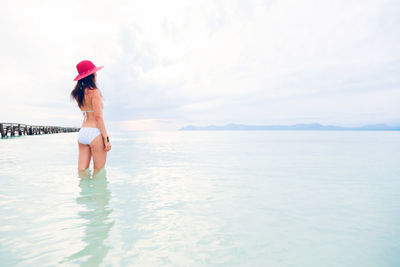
(85, 68)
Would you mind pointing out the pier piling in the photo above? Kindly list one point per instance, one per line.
(2, 130)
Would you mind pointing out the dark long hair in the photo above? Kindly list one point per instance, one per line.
(79, 91)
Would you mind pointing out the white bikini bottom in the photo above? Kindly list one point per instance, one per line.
(87, 134)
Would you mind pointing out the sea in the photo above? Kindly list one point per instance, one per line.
(203, 198)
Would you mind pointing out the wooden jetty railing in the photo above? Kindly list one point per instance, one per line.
(13, 129)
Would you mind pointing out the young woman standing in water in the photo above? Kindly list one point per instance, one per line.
(93, 140)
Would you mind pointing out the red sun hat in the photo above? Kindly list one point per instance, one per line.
(85, 68)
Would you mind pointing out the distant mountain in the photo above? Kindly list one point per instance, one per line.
(296, 127)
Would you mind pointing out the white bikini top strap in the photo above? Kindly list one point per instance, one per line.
(85, 113)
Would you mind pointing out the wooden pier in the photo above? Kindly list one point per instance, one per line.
(19, 129)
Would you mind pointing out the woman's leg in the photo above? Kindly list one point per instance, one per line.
(98, 153)
(84, 157)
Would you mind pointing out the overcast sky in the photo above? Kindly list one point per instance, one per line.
(168, 64)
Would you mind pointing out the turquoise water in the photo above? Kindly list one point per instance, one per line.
(173, 198)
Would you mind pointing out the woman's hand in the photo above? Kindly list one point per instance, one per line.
(107, 147)
(107, 144)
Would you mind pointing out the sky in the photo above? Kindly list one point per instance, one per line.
(169, 64)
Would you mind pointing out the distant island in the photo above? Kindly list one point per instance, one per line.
(296, 127)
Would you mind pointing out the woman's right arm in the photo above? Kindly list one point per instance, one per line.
(98, 113)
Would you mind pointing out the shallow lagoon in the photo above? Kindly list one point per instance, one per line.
(259, 198)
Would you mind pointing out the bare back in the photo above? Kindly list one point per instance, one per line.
(89, 105)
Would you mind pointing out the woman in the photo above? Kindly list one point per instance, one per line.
(93, 140)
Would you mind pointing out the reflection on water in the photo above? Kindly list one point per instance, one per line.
(94, 198)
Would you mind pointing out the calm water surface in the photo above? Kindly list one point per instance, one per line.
(226, 198)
